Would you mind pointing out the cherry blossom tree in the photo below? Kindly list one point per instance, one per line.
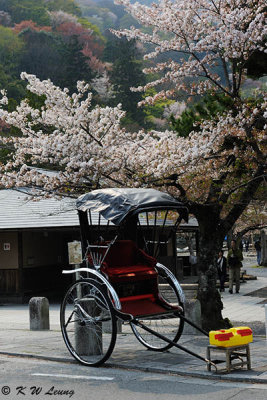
(60, 17)
(254, 218)
(103, 87)
(206, 34)
(216, 171)
(65, 133)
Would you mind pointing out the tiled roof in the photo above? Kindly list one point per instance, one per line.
(18, 211)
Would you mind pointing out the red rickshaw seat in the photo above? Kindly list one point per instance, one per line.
(125, 262)
(127, 266)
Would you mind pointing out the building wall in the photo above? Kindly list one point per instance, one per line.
(45, 255)
(42, 249)
(9, 263)
(8, 258)
(34, 262)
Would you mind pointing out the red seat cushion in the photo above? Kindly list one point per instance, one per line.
(129, 268)
(145, 305)
(141, 305)
(133, 274)
(125, 262)
(126, 252)
(122, 252)
(129, 273)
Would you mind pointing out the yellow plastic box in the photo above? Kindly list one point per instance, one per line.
(231, 337)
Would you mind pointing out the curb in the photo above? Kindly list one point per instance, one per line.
(37, 357)
(199, 375)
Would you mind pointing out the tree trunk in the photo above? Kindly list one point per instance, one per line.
(210, 242)
(208, 294)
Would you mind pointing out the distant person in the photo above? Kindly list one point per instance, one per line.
(247, 245)
(258, 250)
(221, 268)
(234, 261)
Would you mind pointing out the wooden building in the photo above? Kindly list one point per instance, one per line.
(34, 237)
(33, 244)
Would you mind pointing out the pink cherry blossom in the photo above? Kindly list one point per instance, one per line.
(204, 34)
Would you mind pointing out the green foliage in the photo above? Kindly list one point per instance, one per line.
(126, 73)
(4, 154)
(111, 50)
(253, 88)
(11, 48)
(127, 21)
(205, 109)
(35, 101)
(14, 86)
(156, 110)
(42, 55)
(75, 65)
(96, 31)
(98, 16)
(48, 57)
(24, 10)
(69, 6)
(105, 14)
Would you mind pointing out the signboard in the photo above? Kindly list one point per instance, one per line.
(75, 252)
(7, 246)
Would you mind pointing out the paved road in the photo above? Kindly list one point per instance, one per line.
(16, 338)
(28, 379)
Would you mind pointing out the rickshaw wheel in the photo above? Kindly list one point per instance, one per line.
(170, 326)
(88, 322)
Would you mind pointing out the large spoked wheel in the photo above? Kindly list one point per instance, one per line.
(88, 322)
(169, 325)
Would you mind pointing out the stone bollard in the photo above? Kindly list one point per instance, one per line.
(39, 314)
(193, 313)
(88, 341)
(107, 326)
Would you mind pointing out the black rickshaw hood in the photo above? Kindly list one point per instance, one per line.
(115, 204)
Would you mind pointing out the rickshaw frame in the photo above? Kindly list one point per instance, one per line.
(118, 206)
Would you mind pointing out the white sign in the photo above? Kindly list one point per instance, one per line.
(7, 246)
(75, 252)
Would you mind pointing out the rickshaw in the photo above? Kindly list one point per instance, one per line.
(120, 280)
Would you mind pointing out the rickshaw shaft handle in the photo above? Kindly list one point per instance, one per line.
(168, 340)
(194, 325)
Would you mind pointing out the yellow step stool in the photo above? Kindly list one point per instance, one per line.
(231, 337)
(235, 357)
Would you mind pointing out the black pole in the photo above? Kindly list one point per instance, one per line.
(194, 325)
(138, 323)
(84, 230)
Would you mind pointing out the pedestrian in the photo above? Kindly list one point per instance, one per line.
(222, 269)
(258, 250)
(247, 245)
(234, 261)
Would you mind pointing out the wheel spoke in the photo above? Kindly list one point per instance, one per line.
(169, 325)
(85, 311)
